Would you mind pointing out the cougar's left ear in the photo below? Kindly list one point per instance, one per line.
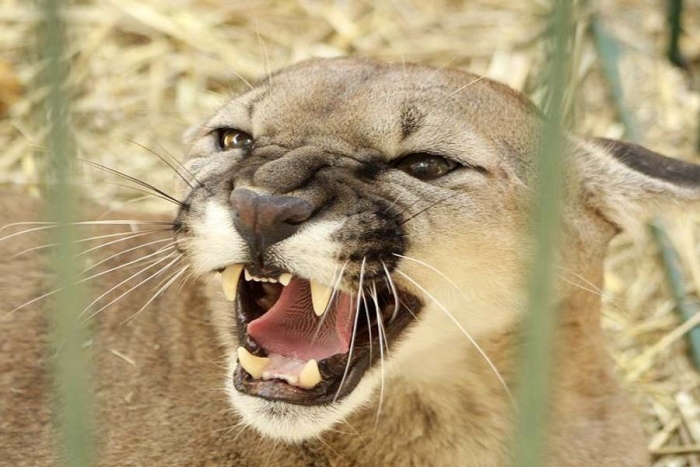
(628, 183)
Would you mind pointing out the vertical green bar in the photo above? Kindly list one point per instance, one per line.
(675, 14)
(72, 414)
(539, 322)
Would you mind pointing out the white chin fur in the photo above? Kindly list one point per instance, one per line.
(296, 423)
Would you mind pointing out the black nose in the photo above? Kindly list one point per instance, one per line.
(264, 220)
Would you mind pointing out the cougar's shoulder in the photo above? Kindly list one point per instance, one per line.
(24, 366)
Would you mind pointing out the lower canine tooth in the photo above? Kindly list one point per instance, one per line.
(309, 376)
(320, 296)
(252, 364)
(229, 280)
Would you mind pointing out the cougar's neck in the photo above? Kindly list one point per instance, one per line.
(450, 405)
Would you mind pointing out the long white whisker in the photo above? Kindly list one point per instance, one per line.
(144, 245)
(354, 430)
(369, 322)
(382, 343)
(122, 205)
(84, 240)
(468, 84)
(354, 333)
(140, 271)
(184, 281)
(49, 224)
(160, 291)
(587, 285)
(336, 284)
(121, 266)
(55, 291)
(160, 271)
(333, 450)
(136, 235)
(464, 331)
(392, 286)
(272, 452)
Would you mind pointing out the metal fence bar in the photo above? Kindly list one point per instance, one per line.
(72, 414)
(539, 321)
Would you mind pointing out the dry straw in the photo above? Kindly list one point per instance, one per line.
(144, 70)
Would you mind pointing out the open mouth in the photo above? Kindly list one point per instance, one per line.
(306, 343)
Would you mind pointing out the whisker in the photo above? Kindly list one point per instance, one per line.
(588, 286)
(142, 190)
(438, 69)
(137, 260)
(354, 334)
(354, 430)
(336, 284)
(132, 179)
(369, 321)
(143, 245)
(392, 286)
(140, 271)
(332, 450)
(122, 204)
(382, 343)
(271, 453)
(413, 216)
(164, 160)
(83, 240)
(55, 291)
(160, 271)
(394, 203)
(464, 331)
(174, 277)
(185, 280)
(167, 278)
(52, 225)
(468, 84)
(228, 429)
(175, 160)
(410, 310)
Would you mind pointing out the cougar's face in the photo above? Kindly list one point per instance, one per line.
(361, 217)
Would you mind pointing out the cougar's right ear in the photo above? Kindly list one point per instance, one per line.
(628, 183)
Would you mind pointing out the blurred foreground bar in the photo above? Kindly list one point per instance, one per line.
(72, 414)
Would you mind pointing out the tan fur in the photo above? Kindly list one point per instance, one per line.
(443, 405)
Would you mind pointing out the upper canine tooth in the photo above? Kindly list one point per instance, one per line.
(248, 277)
(252, 364)
(320, 296)
(309, 376)
(229, 280)
(285, 279)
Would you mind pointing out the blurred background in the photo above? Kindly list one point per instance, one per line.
(143, 71)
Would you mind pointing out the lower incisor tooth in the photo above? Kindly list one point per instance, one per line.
(252, 364)
(309, 376)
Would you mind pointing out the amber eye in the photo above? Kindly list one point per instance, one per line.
(426, 166)
(230, 138)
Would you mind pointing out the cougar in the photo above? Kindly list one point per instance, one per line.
(357, 234)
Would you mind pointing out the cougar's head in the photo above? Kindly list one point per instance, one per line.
(362, 218)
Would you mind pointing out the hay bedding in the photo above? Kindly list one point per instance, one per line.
(144, 70)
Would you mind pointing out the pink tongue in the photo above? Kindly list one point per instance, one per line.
(290, 328)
